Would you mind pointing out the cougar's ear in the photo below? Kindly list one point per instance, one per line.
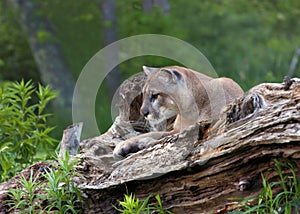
(171, 75)
(148, 70)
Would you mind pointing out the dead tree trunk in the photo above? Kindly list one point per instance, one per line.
(196, 171)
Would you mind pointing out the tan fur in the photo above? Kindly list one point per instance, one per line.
(174, 90)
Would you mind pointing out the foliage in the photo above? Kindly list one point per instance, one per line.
(59, 191)
(78, 31)
(23, 199)
(132, 205)
(249, 41)
(246, 41)
(23, 126)
(16, 60)
(133, 20)
(287, 201)
(226, 32)
(62, 193)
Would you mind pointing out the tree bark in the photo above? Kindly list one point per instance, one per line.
(198, 170)
(47, 54)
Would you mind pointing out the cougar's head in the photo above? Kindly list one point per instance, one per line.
(159, 96)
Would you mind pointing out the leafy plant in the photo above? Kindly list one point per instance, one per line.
(287, 201)
(23, 126)
(23, 199)
(62, 193)
(132, 205)
(57, 193)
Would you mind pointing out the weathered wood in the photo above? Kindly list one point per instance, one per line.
(196, 171)
(70, 140)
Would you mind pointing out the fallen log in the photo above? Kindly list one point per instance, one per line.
(199, 170)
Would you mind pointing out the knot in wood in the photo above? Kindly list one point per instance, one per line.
(287, 83)
(244, 184)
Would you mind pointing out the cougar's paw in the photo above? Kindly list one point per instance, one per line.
(124, 148)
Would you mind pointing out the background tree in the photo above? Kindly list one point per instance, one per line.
(113, 79)
(150, 4)
(47, 54)
(16, 60)
(249, 41)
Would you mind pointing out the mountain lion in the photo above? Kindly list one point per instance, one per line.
(174, 90)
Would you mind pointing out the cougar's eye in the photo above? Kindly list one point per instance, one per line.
(154, 97)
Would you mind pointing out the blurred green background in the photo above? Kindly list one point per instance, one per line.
(249, 41)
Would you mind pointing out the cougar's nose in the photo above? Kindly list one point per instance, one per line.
(144, 111)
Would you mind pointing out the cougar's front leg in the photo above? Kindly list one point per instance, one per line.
(137, 143)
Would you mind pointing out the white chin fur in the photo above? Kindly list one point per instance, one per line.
(154, 121)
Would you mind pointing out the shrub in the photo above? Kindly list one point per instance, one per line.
(23, 200)
(62, 192)
(23, 126)
(55, 190)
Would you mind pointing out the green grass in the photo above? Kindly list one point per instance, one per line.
(287, 201)
(23, 199)
(133, 205)
(57, 193)
(62, 192)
